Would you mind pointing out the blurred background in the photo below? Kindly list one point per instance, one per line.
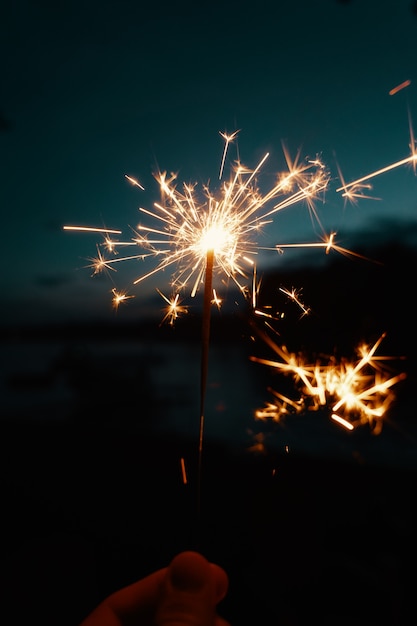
(100, 406)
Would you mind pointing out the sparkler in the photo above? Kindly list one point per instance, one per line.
(215, 235)
(201, 236)
(207, 235)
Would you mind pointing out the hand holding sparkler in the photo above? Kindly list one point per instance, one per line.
(186, 592)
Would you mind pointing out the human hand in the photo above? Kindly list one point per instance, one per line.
(185, 593)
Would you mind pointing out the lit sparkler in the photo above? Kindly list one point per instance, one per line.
(200, 236)
(190, 229)
(205, 235)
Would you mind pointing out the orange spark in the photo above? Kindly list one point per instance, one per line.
(356, 392)
(399, 87)
(183, 471)
(294, 295)
(216, 300)
(174, 308)
(119, 297)
(342, 421)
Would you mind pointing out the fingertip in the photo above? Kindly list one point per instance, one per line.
(189, 571)
(221, 581)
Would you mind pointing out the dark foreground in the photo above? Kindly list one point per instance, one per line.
(86, 511)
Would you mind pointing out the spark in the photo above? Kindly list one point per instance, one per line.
(413, 142)
(354, 189)
(119, 297)
(356, 183)
(398, 88)
(92, 229)
(174, 308)
(355, 192)
(216, 300)
(355, 392)
(134, 182)
(342, 421)
(99, 263)
(228, 139)
(183, 471)
(294, 295)
(328, 244)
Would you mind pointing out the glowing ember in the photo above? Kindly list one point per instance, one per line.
(399, 87)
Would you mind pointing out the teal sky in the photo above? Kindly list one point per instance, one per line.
(92, 91)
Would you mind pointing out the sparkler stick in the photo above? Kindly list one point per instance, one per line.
(205, 341)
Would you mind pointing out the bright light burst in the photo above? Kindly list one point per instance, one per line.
(190, 222)
(355, 392)
(189, 225)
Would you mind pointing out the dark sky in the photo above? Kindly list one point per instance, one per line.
(92, 91)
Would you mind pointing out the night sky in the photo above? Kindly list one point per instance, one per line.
(92, 91)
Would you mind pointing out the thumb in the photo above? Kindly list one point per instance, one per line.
(190, 592)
